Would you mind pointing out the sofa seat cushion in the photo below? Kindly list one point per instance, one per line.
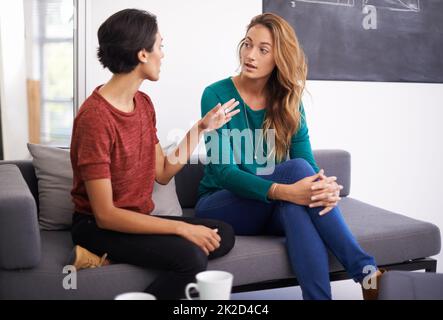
(402, 285)
(391, 238)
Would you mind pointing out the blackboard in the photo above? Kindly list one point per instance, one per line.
(368, 40)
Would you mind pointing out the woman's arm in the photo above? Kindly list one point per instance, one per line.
(90, 149)
(314, 191)
(112, 218)
(167, 167)
(221, 160)
(247, 185)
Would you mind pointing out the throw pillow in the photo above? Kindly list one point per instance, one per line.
(54, 175)
(165, 197)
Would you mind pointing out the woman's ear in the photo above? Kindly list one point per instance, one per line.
(143, 56)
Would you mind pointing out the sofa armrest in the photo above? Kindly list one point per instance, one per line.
(336, 163)
(19, 229)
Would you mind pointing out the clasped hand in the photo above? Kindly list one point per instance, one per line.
(325, 193)
(315, 191)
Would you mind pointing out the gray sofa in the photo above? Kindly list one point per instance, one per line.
(32, 261)
(402, 285)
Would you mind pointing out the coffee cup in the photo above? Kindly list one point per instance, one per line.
(135, 296)
(212, 285)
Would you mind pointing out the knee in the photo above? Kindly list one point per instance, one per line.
(192, 260)
(227, 235)
(293, 216)
(302, 165)
(300, 168)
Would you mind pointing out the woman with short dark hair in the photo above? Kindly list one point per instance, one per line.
(116, 156)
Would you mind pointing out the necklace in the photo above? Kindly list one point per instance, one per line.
(260, 143)
(250, 135)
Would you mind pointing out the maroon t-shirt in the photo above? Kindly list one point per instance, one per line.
(110, 144)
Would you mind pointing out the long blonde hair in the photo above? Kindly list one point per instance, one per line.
(286, 84)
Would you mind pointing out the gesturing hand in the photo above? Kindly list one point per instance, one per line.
(219, 116)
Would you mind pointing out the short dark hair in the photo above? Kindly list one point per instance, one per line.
(122, 36)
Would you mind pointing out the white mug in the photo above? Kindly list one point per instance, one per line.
(135, 296)
(212, 285)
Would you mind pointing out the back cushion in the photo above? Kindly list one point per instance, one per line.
(335, 162)
(187, 182)
(54, 175)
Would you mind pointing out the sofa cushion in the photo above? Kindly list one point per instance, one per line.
(390, 237)
(54, 175)
(334, 162)
(165, 196)
(187, 182)
(166, 200)
(401, 285)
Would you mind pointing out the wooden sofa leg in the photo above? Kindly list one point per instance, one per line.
(432, 266)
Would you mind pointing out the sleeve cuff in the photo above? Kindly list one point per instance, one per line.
(263, 190)
(95, 171)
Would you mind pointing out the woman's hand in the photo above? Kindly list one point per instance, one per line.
(219, 116)
(325, 193)
(299, 192)
(207, 239)
(314, 191)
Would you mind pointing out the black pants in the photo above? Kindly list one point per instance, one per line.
(178, 259)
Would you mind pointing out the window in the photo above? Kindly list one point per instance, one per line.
(50, 71)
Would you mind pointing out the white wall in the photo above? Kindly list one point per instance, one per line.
(391, 129)
(14, 108)
(394, 133)
(200, 41)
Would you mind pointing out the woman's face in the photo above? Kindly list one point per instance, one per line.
(257, 54)
(151, 68)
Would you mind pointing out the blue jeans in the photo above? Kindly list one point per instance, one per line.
(308, 235)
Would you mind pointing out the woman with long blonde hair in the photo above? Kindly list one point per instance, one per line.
(269, 183)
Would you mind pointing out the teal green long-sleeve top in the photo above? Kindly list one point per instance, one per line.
(227, 168)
